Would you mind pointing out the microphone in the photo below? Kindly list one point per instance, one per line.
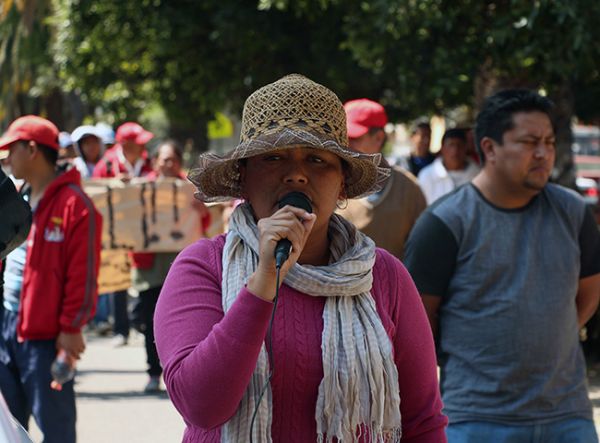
(284, 246)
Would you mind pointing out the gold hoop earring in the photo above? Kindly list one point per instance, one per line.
(342, 204)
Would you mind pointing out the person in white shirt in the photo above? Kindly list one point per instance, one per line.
(451, 169)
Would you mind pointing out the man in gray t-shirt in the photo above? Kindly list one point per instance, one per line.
(508, 267)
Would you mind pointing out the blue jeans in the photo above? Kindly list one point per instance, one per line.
(25, 384)
(102, 308)
(571, 430)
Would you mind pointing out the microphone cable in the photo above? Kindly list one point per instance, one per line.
(282, 252)
(269, 352)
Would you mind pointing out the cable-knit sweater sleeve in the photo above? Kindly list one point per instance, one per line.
(208, 357)
(420, 402)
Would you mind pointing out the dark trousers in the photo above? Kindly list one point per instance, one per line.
(120, 312)
(25, 384)
(148, 301)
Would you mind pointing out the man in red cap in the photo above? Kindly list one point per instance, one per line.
(387, 216)
(50, 285)
(127, 159)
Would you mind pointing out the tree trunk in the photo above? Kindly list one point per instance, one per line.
(564, 169)
(53, 105)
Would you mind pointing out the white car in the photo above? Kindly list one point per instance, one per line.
(588, 188)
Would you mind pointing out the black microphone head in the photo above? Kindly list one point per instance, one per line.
(296, 199)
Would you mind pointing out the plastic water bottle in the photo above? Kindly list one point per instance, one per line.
(62, 370)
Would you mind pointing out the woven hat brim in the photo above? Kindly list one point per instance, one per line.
(217, 177)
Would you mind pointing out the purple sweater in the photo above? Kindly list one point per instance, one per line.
(208, 357)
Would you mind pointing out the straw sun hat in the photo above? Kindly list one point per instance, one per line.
(292, 112)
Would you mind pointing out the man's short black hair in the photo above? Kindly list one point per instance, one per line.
(458, 133)
(420, 125)
(496, 115)
(372, 131)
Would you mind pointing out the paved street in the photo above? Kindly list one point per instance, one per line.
(112, 407)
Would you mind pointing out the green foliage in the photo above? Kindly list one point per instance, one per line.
(102, 51)
(429, 54)
(25, 62)
(194, 58)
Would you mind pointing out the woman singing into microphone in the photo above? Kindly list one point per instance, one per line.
(338, 348)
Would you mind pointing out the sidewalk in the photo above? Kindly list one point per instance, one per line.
(111, 405)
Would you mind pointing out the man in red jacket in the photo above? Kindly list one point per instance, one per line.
(128, 158)
(50, 285)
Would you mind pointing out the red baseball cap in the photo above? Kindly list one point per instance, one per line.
(363, 114)
(133, 132)
(31, 128)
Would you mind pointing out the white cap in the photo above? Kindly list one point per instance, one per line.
(107, 134)
(83, 131)
(64, 139)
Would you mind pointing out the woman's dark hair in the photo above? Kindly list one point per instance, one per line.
(173, 144)
(496, 115)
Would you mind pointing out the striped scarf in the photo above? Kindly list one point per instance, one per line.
(359, 393)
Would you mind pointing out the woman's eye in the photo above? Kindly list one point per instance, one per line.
(316, 159)
(272, 157)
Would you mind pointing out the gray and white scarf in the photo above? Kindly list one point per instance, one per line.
(359, 391)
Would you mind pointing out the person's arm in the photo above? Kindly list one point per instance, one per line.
(420, 402)
(208, 357)
(83, 228)
(430, 258)
(588, 296)
(588, 292)
(432, 306)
